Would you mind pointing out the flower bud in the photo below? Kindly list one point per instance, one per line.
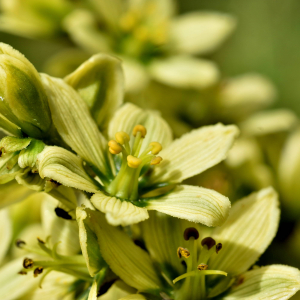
(23, 101)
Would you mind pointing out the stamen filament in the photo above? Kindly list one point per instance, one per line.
(199, 273)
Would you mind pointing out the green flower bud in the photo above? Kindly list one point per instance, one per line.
(22, 97)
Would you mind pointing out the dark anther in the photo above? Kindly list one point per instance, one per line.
(218, 247)
(55, 182)
(209, 242)
(40, 241)
(1, 152)
(37, 271)
(62, 213)
(22, 273)
(191, 232)
(27, 263)
(20, 243)
(183, 252)
(202, 267)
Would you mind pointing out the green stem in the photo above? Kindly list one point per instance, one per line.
(200, 273)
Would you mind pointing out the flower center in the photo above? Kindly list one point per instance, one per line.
(134, 164)
(194, 287)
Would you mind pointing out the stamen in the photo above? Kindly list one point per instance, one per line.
(37, 271)
(122, 137)
(202, 267)
(156, 160)
(191, 232)
(22, 273)
(133, 162)
(20, 243)
(183, 252)
(141, 129)
(27, 263)
(156, 147)
(40, 240)
(197, 273)
(218, 247)
(209, 242)
(114, 147)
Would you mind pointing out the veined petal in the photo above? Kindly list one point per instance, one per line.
(119, 212)
(248, 231)
(88, 242)
(194, 204)
(11, 144)
(12, 192)
(276, 282)
(185, 72)
(66, 168)
(194, 152)
(200, 32)
(117, 290)
(268, 122)
(8, 127)
(63, 231)
(5, 232)
(74, 123)
(99, 82)
(14, 285)
(132, 264)
(130, 115)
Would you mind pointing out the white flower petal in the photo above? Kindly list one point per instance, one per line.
(74, 123)
(99, 82)
(12, 192)
(119, 212)
(276, 282)
(130, 115)
(132, 264)
(185, 72)
(194, 204)
(200, 32)
(60, 230)
(117, 290)
(248, 231)
(194, 152)
(5, 232)
(66, 168)
(268, 122)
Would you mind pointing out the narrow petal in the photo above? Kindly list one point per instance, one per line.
(130, 115)
(12, 192)
(248, 231)
(185, 72)
(93, 291)
(276, 282)
(263, 123)
(74, 123)
(194, 204)
(194, 152)
(132, 264)
(63, 231)
(88, 242)
(99, 82)
(119, 212)
(5, 232)
(66, 168)
(117, 290)
(8, 127)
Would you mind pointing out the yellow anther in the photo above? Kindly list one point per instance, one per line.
(114, 147)
(156, 160)
(202, 267)
(122, 137)
(183, 252)
(141, 129)
(133, 162)
(156, 147)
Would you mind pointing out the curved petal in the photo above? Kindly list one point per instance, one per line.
(268, 122)
(194, 152)
(66, 168)
(185, 72)
(117, 290)
(119, 212)
(132, 264)
(276, 282)
(5, 232)
(130, 115)
(200, 32)
(74, 123)
(193, 203)
(63, 231)
(248, 231)
(99, 82)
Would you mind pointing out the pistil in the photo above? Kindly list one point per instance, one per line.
(125, 184)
